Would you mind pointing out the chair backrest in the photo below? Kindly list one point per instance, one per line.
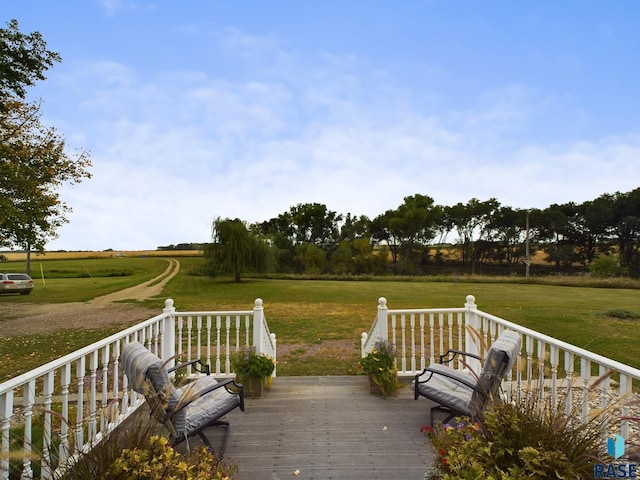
(148, 376)
(498, 361)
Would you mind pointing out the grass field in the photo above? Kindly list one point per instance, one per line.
(321, 320)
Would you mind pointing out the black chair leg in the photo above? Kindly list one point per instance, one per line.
(439, 408)
(227, 429)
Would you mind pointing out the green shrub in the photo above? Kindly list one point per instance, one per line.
(621, 314)
(606, 266)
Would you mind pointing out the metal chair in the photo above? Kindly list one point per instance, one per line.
(463, 392)
(185, 411)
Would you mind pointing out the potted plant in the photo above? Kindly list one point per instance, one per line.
(252, 370)
(380, 365)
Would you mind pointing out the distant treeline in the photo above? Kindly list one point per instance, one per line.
(183, 246)
(420, 237)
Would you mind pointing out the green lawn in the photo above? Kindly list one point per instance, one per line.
(321, 320)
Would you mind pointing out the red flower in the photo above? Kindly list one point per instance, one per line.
(442, 452)
(426, 429)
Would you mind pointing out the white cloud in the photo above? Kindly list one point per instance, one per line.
(176, 149)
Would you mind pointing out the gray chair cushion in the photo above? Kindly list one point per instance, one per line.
(208, 407)
(148, 376)
(447, 391)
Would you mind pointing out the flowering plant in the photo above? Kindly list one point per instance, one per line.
(157, 461)
(448, 441)
(380, 364)
(248, 364)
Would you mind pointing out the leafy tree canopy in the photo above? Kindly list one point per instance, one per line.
(23, 60)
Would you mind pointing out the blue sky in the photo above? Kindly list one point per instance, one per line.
(204, 108)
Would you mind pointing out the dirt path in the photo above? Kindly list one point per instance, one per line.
(24, 318)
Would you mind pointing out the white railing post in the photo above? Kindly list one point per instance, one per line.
(382, 330)
(258, 327)
(363, 343)
(169, 333)
(472, 329)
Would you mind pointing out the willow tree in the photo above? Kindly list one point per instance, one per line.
(235, 250)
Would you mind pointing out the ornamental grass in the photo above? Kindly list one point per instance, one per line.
(522, 438)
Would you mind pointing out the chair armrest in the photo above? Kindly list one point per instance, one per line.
(190, 395)
(455, 353)
(197, 365)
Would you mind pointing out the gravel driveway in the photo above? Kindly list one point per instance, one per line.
(28, 318)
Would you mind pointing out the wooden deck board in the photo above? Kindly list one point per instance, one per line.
(329, 427)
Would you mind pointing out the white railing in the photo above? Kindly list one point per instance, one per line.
(565, 374)
(211, 336)
(75, 401)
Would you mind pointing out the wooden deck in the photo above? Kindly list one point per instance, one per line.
(329, 428)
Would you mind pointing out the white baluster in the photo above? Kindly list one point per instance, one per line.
(441, 325)
(585, 373)
(209, 326)
(568, 366)
(553, 359)
(65, 381)
(413, 342)
(104, 411)
(48, 383)
(422, 346)
(93, 369)
(28, 399)
(431, 339)
(80, 405)
(218, 352)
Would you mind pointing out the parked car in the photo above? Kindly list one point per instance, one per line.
(15, 283)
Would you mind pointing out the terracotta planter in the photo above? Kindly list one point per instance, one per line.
(373, 386)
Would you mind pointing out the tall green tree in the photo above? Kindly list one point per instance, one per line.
(408, 230)
(315, 224)
(472, 221)
(34, 161)
(627, 230)
(509, 230)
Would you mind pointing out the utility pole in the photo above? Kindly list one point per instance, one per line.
(526, 247)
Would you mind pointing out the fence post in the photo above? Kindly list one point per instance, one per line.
(471, 333)
(169, 333)
(258, 327)
(382, 323)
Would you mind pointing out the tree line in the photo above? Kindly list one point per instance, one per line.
(421, 237)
